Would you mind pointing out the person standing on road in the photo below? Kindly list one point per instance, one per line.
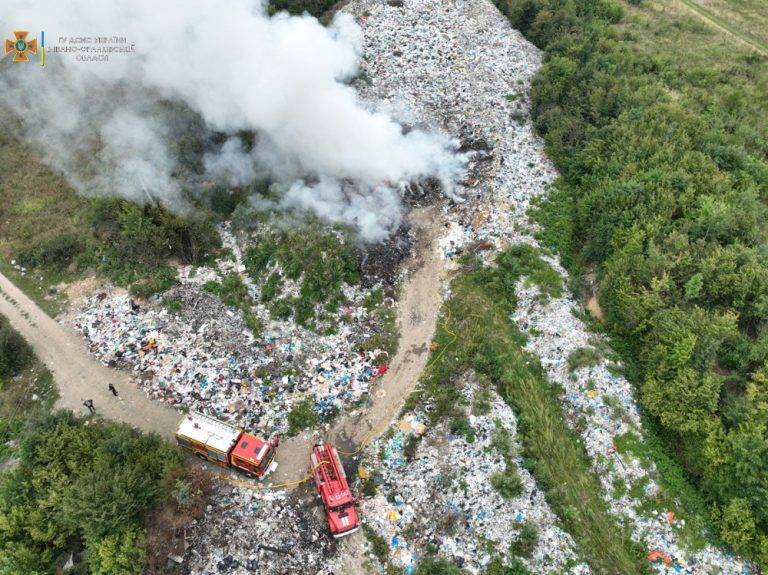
(89, 404)
(112, 389)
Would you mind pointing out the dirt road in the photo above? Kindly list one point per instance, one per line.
(77, 374)
(417, 313)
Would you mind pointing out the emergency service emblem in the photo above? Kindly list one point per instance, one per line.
(21, 47)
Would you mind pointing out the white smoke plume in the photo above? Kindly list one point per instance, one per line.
(281, 77)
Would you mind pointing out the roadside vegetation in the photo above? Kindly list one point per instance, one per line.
(654, 119)
(109, 497)
(477, 334)
(57, 235)
(26, 387)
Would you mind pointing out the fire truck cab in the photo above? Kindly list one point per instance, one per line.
(253, 455)
(226, 446)
(331, 484)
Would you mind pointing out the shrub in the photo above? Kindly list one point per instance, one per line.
(302, 416)
(481, 404)
(436, 566)
(583, 357)
(525, 543)
(738, 525)
(231, 290)
(234, 293)
(121, 553)
(460, 426)
(501, 442)
(224, 201)
(15, 353)
(161, 280)
(507, 483)
(410, 447)
(132, 241)
(369, 487)
(378, 544)
(525, 261)
(514, 567)
(271, 287)
(57, 251)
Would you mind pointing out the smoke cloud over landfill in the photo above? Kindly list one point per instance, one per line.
(284, 78)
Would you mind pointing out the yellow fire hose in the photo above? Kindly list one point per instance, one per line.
(367, 438)
(293, 483)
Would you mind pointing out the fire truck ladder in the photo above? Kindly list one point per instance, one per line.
(327, 469)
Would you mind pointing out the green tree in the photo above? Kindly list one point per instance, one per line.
(15, 353)
(120, 553)
(738, 526)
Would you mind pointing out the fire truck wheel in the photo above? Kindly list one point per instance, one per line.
(202, 456)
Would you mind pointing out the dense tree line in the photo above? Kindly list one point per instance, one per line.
(82, 489)
(663, 191)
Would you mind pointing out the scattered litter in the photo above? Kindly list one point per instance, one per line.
(266, 532)
(205, 358)
(457, 65)
(443, 497)
(601, 406)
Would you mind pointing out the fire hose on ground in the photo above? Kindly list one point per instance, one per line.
(367, 438)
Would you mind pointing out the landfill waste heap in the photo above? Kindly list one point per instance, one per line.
(203, 357)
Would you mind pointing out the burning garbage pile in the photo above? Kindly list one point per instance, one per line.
(600, 405)
(449, 493)
(204, 357)
(461, 66)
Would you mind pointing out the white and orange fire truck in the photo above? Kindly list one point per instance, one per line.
(227, 446)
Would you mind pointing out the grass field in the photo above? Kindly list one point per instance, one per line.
(747, 19)
(58, 236)
(36, 203)
(666, 29)
(35, 200)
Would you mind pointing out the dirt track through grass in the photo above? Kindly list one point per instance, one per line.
(725, 26)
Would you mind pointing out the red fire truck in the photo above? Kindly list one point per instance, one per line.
(331, 483)
(227, 446)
